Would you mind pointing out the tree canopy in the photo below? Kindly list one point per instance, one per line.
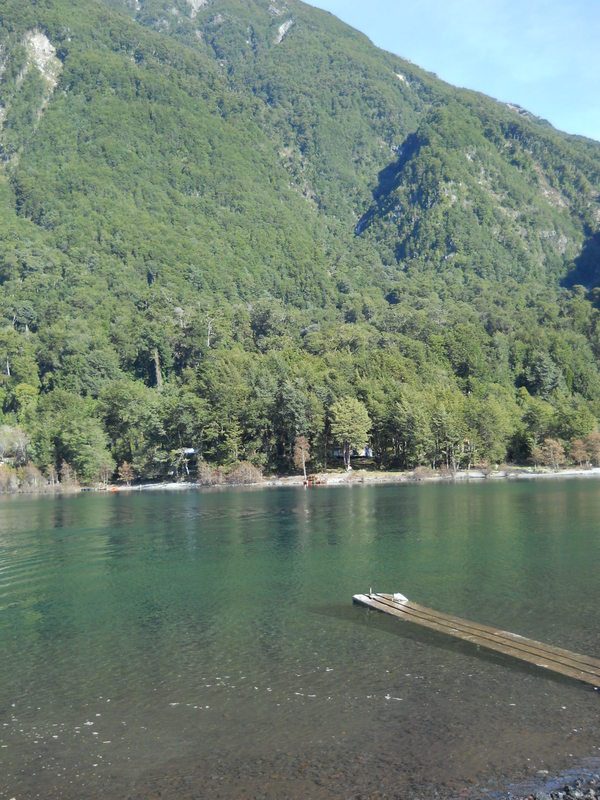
(350, 425)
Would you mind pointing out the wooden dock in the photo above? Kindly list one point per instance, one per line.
(555, 659)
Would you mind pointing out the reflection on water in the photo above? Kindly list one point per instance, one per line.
(206, 642)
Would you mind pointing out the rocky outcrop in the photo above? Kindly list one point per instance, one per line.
(195, 6)
(283, 30)
(42, 54)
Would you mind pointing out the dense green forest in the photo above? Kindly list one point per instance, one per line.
(223, 222)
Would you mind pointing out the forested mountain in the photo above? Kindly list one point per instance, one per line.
(220, 217)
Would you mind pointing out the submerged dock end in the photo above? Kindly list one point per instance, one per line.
(555, 659)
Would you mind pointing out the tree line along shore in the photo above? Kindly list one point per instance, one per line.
(350, 462)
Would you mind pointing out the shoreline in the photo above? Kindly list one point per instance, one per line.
(355, 477)
(361, 477)
(571, 784)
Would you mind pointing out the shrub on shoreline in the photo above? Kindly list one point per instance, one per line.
(243, 473)
(28, 479)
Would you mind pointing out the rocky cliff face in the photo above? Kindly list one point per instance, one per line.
(28, 78)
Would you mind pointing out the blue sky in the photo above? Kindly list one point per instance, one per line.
(540, 54)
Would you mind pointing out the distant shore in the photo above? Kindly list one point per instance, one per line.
(356, 477)
(338, 477)
(360, 476)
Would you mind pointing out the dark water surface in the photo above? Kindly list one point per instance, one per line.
(205, 645)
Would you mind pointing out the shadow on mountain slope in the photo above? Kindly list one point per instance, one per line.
(388, 180)
(586, 268)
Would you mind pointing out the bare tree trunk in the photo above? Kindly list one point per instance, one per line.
(347, 455)
(157, 371)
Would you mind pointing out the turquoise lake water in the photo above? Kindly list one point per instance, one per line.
(204, 644)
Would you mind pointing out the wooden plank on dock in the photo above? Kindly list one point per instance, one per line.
(556, 659)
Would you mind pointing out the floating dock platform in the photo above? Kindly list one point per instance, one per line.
(555, 659)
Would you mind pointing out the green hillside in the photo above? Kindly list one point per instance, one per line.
(220, 217)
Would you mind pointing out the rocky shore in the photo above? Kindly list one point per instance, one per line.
(423, 475)
(357, 477)
(582, 788)
(253, 479)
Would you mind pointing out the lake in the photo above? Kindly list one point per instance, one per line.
(204, 644)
